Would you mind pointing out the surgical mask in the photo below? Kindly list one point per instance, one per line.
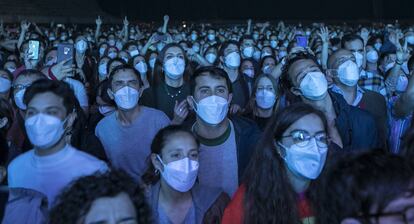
(193, 37)
(265, 99)
(112, 55)
(372, 56)
(106, 110)
(273, 44)
(249, 72)
(232, 60)
(111, 42)
(126, 97)
(5, 85)
(410, 39)
(134, 53)
(314, 86)
(81, 46)
(181, 174)
(248, 52)
(389, 66)
(196, 48)
(267, 69)
(102, 68)
(305, 161)
(255, 36)
(211, 58)
(212, 109)
(256, 55)
(211, 37)
(282, 54)
(18, 99)
(264, 54)
(152, 62)
(141, 67)
(378, 46)
(160, 46)
(174, 67)
(102, 51)
(402, 84)
(308, 33)
(44, 130)
(359, 59)
(348, 73)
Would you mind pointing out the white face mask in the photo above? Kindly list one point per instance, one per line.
(410, 39)
(106, 110)
(102, 51)
(134, 53)
(181, 174)
(378, 46)
(211, 37)
(126, 98)
(359, 59)
(152, 62)
(44, 130)
(111, 42)
(265, 99)
(248, 52)
(102, 68)
(112, 55)
(141, 67)
(402, 83)
(372, 56)
(305, 161)
(273, 44)
(81, 46)
(249, 72)
(18, 99)
(348, 73)
(212, 109)
(282, 54)
(232, 60)
(193, 37)
(314, 86)
(174, 67)
(5, 85)
(256, 55)
(211, 58)
(267, 69)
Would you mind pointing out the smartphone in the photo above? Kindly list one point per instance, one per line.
(65, 51)
(33, 52)
(302, 41)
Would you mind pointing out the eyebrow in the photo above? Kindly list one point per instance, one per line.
(121, 220)
(308, 68)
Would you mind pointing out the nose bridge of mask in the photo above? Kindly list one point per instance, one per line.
(177, 165)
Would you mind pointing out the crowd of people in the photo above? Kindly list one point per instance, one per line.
(206, 123)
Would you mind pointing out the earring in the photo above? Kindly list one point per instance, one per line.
(157, 172)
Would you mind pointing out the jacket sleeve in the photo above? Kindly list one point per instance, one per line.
(233, 214)
(216, 211)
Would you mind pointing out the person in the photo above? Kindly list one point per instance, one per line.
(365, 189)
(226, 142)
(127, 133)
(249, 70)
(350, 128)
(171, 74)
(371, 78)
(111, 197)
(344, 71)
(174, 194)
(264, 102)
(48, 168)
(288, 159)
(6, 79)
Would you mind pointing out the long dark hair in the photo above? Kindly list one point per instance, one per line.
(270, 198)
(5, 112)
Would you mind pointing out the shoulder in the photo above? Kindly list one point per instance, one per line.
(105, 121)
(244, 125)
(87, 160)
(154, 113)
(374, 96)
(20, 161)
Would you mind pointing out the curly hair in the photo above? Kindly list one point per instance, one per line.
(76, 200)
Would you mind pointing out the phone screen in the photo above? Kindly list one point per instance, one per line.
(65, 51)
(302, 41)
(33, 52)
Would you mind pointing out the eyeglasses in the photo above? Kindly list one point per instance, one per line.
(21, 86)
(404, 217)
(302, 138)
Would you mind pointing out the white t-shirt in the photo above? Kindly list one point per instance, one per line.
(79, 90)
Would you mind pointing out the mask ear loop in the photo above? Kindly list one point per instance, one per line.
(68, 131)
(157, 171)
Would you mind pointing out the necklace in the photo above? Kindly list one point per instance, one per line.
(170, 94)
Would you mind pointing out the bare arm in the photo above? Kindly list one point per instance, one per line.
(98, 22)
(24, 25)
(165, 25)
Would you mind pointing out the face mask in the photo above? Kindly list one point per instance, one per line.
(106, 110)
(273, 44)
(248, 52)
(134, 53)
(141, 67)
(232, 60)
(410, 39)
(160, 46)
(44, 130)
(181, 174)
(5, 85)
(212, 109)
(152, 62)
(348, 73)
(211, 58)
(308, 33)
(264, 54)
(111, 42)
(174, 67)
(196, 48)
(256, 55)
(249, 72)
(126, 97)
(265, 99)
(359, 58)
(102, 69)
(125, 59)
(314, 86)
(378, 46)
(305, 161)
(255, 36)
(389, 66)
(402, 84)
(81, 46)
(18, 99)
(101, 51)
(112, 55)
(267, 69)
(211, 37)
(372, 56)
(193, 37)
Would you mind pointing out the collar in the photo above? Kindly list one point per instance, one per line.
(360, 92)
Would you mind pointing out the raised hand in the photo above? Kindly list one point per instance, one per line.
(166, 18)
(126, 22)
(98, 21)
(25, 25)
(324, 34)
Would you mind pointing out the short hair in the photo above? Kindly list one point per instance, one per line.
(225, 45)
(349, 38)
(214, 72)
(31, 72)
(121, 68)
(76, 200)
(58, 88)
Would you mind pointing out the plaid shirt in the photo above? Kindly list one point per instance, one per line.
(373, 81)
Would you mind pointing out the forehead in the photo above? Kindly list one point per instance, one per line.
(173, 50)
(269, 60)
(310, 123)
(45, 100)
(231, 47)
(299, 66)
(210, 81)
(180, 140)
(106, 208)
(264, 81)
(125, 74)
(354, 45)
(247, 63)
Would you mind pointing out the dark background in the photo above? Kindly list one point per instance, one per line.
(369, 10)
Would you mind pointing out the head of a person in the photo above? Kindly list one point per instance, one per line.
(210, 86)
(372, 54)
(112, 197)
(229, 54)
(103, 101)
(81, 44)
(247, 46)
(50, 114)
(124, 55)
(248, 67)
(139, 63)
(6, 116)
(267, 64)
(355, 44)
(22, 82)
(211, 54)
(293, 149)
(111, 52)
(343, 69)
(173, 146)
(10, 66)
(265, 92)
(103, 68)
(125, 87)
(374, 187)
(6, 79)
(266, 51)
(114, 62)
